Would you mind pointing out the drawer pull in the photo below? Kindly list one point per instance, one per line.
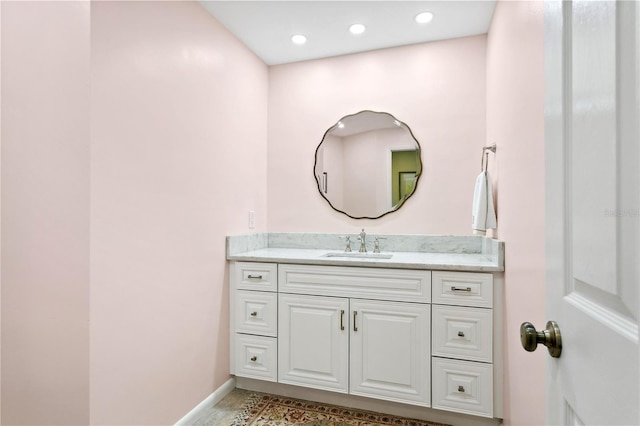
(467, 289)
(355, 314)
(341, 318)
(255, 314)
(460, 388)
(254, 277)
(255, 358)
(460, 333)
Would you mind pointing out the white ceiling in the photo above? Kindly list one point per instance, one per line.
(266, 26)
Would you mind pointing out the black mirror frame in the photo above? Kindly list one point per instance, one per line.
(394, 208)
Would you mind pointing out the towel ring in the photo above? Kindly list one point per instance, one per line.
(484, 160)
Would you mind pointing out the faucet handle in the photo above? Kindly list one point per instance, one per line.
(347, 248)
(376, 244)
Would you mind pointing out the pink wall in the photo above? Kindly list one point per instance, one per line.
(133, 142)
(178, 157)
(121, 175)
(438, 89)
(45, 213)
(515, 122)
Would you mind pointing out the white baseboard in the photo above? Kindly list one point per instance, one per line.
(206, 403)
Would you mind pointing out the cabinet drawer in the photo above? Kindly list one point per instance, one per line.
(461, 332)
(401, 285)
(257, 313)
(257, 357)
(463, 288)
(256, 276)
(463, 387)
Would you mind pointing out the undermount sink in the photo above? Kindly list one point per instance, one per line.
(359, 255)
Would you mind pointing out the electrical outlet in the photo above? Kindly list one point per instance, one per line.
(252, 219)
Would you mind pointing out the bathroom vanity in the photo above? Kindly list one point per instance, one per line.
(418, 324)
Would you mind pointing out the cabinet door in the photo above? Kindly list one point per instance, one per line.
(390, 351)
(313, 342)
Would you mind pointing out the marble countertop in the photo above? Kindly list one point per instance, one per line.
(406, 260)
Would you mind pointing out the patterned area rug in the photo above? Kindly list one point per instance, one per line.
(271, 410)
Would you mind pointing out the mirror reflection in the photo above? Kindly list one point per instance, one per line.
(367, 164)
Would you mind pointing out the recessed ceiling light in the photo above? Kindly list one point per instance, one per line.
(357, 28)
(424, 17)
(299, 39)
(340, 125)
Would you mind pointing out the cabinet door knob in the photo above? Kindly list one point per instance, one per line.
(254, 358)
(460, 333)
(341, 319)
(355, 314)
(254, 277)
(468, 289)
(254, 314)
(460, 388)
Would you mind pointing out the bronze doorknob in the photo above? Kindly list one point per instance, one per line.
(550, 337)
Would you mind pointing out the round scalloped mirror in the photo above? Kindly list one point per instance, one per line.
(367, 165)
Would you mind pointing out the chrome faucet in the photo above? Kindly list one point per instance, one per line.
(362, 237)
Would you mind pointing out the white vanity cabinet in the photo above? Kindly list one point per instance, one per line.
(361, 331)
(462, 335)
(254, 320)
(362, 347)
(415, 337)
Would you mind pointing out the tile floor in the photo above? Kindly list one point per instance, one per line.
(222, 414)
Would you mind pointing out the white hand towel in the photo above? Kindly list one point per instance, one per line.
(483, 214)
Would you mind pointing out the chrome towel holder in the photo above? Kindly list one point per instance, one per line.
(484, 160)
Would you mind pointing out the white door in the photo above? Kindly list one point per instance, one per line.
(313, 342)
(390, 348)
(592, 210)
